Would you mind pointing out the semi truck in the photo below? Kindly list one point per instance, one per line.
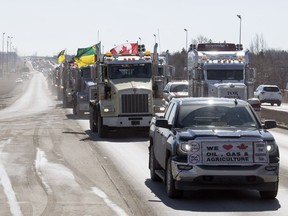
(128, 94)
(220, 70)
(83, 87)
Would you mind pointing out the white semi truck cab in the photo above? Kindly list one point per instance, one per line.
(220, 70)
(125, 93)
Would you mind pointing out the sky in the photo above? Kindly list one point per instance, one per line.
(45, 27)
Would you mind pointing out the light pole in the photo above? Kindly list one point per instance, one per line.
(10, 43)
(10, 53)
(154, 38)
(7, 53)
(2, 54)
(186, 39)
(240, 18)
(139, 40)
(186, 59)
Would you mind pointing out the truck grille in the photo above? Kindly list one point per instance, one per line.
(135, 103)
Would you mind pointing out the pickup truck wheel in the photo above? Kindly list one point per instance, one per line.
(153, 165)
(171, 191)
(269, 194)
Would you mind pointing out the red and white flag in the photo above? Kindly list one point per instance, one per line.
(127, 48)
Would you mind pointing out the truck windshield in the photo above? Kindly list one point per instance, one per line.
(209, 116)
(129, 71)
(224, 74)
(86, 73)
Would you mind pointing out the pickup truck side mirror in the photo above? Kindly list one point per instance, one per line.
(162, 123)
(270, 124)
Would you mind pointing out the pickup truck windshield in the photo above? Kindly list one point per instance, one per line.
(190, 116)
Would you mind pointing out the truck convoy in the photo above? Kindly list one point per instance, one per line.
(220, 70)
(128, 90)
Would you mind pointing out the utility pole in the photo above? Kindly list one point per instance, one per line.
(240, 18)
(186, 39)
(2, 54)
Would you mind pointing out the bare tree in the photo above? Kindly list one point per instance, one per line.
(201, 39)
(258, 44)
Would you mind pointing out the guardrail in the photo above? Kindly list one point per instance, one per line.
(280, 117)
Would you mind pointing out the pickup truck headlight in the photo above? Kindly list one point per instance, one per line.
(189, 146)
(271, 147)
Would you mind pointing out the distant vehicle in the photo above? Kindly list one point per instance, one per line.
(213, 143)
(175, 90)
(220, 70)
(269, 94)
(255, 103)
(19, 81)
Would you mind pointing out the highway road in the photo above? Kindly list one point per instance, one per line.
(51, 164)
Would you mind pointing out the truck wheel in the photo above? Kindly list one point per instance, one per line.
(92, 118)
(171, 191)
(102, 130)
(153, 165)
(74, 110)
(269, 194)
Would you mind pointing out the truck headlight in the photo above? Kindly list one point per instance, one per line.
(271, 147)
(159, 109)
(191, 146)
(108, 109)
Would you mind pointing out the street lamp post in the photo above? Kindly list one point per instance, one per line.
(240, 18)
(154, 38)
(2, 54)
(10, 53)
(7, 53)
(186, 39)
(139, 40)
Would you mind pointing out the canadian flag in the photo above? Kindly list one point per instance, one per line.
(127, 48)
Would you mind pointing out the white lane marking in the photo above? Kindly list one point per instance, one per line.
(8, 189)
(40, 159)
(119, 211)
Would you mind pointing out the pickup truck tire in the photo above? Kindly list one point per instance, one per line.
(153, 165)
(171, 191)
(269, 194)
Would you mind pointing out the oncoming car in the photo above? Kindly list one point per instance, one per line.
(213, 143)
(19, 81)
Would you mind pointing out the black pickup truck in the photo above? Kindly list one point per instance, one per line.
(213, 143)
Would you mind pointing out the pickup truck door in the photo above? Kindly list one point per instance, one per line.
(162, 134)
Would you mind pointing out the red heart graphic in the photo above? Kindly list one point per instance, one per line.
(228, 147)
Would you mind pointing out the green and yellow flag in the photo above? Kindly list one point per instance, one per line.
(85, 56)
(61, 57)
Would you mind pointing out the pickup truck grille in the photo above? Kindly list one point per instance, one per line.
(134, 103)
